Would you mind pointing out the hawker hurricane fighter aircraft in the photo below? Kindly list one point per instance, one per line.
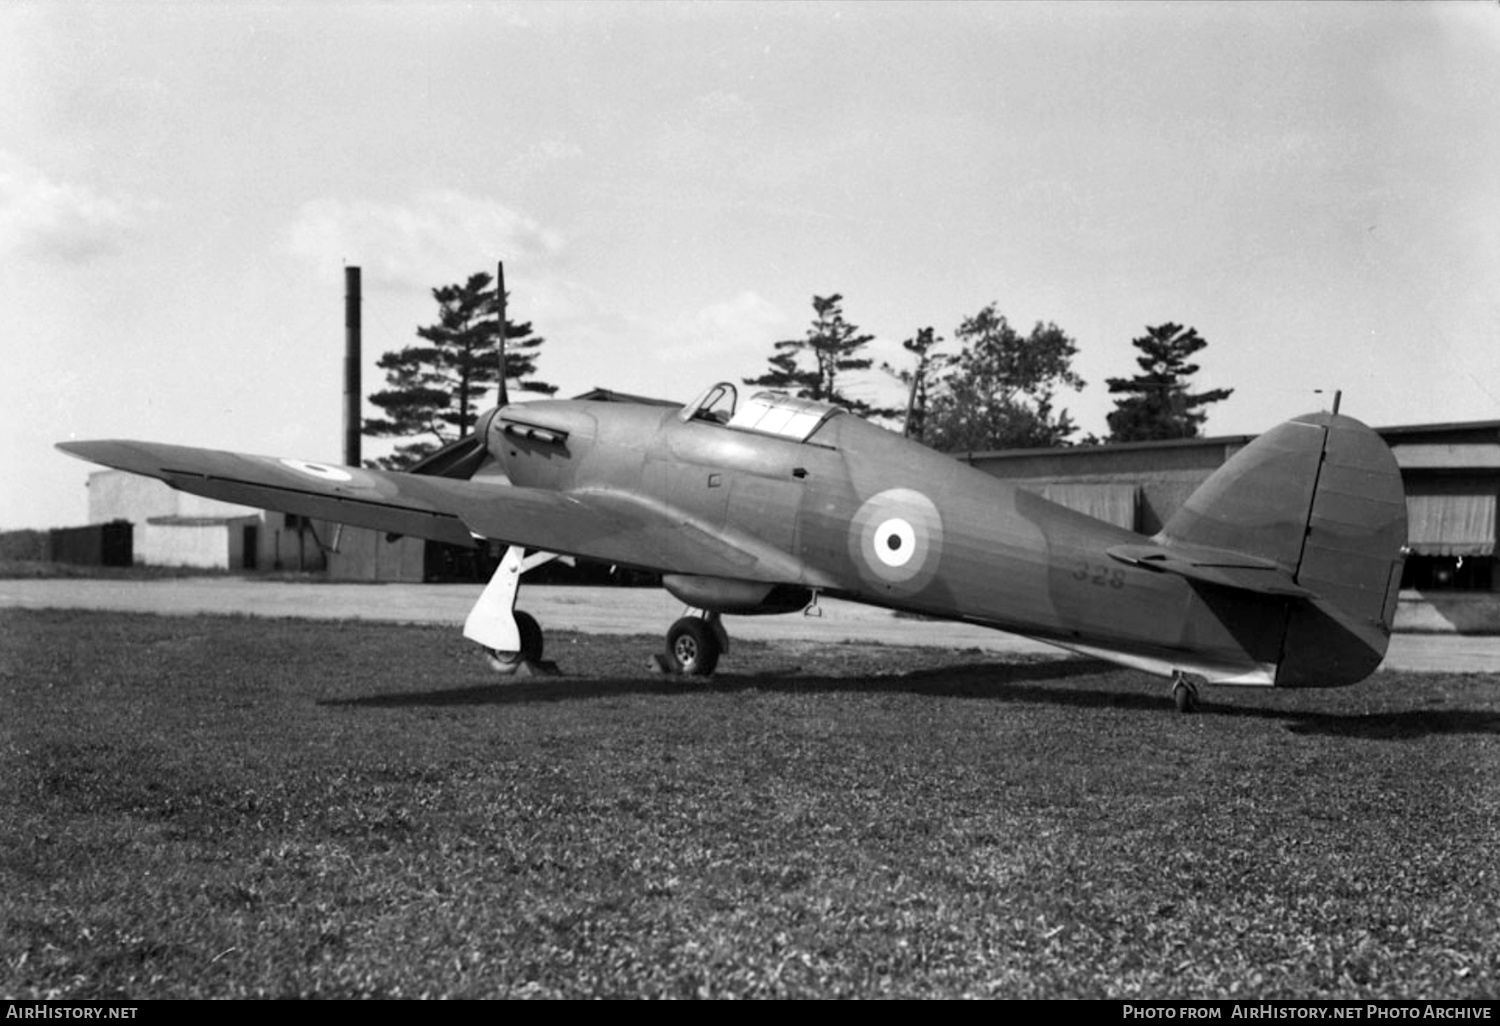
(1281, 569)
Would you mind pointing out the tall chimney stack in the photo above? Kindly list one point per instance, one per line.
(353, 427)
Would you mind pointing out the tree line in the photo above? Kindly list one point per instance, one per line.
(999, 389)
(994, 388)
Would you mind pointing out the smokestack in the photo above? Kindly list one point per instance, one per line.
(352, 424)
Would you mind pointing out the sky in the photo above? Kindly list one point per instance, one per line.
(1312, 186)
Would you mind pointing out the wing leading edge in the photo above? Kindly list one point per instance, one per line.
(607, 526)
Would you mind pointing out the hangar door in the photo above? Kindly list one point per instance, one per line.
(1451, 523)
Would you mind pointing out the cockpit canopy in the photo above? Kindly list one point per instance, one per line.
(766, 413)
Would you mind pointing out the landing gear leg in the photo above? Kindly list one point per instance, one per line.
(512, 640)
(694, 645)
(1184, 692)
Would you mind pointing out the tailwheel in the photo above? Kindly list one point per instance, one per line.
(1184, 693)
(694, 645)
(531, 646)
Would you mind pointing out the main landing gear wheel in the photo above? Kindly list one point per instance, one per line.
(531, 645)
(693, 646)
(531, 636)
(1184, 694)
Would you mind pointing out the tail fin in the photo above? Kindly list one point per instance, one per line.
(1320, 497)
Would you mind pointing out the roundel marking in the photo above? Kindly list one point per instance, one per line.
(321, 471)
(895, 542)
(896, 539)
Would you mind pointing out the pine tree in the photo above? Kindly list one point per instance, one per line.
(435, 390)
(832, 342)
(785, 376)
(1155, 404)
(921, 381)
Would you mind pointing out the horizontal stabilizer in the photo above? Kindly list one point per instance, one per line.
(1213, 566)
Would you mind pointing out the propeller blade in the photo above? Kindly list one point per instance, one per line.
(458, 459)
(500, 303)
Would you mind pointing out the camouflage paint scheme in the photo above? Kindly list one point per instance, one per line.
(1281, 569)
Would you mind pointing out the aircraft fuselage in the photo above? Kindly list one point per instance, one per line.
(866, 515)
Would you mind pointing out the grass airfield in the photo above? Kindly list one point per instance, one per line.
(216, 806)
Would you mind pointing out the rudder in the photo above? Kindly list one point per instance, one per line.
(1352, 560)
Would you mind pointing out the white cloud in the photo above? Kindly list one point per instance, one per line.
(746, 323)
(542, 156)
(60, 220)
(441, 236)
(668, 357)
(560, 304)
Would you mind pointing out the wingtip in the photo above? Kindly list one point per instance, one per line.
(79, 450)
(105, 452)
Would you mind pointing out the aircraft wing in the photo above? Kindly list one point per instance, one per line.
(606, 526)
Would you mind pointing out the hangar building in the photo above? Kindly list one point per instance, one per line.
(173, 528)
(1451, 473)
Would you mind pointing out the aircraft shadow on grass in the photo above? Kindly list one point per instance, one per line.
(973, 680)
(1398, 726)
(1048, 682)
